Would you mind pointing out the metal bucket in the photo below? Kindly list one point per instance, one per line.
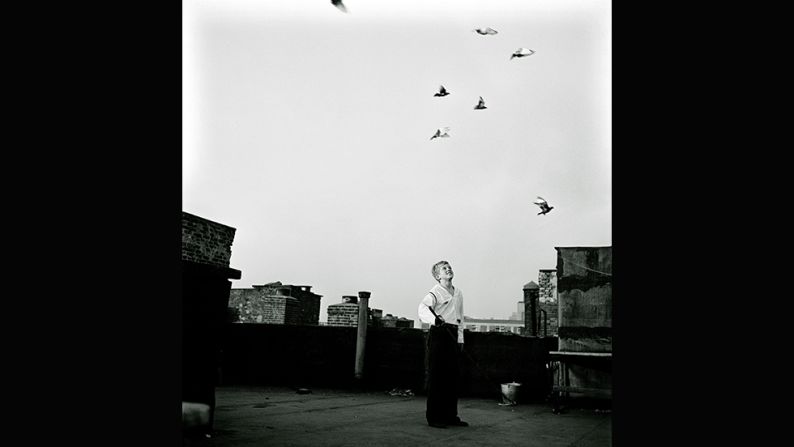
(510, 393)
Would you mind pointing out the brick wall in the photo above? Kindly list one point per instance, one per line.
(254, 306)
(343, 314)
(205, 241)
(292, 310)
(276, 303)
(346, 314)
(552, 320)
(547, 281)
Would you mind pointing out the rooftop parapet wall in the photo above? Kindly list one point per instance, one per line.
(206, 242)
(323, 356)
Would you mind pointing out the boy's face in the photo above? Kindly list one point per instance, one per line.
(445, 271)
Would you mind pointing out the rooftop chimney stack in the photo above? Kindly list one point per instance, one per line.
(361, 338)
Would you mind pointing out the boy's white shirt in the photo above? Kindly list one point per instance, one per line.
(446, 305)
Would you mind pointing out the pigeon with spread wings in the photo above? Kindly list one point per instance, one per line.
(441, 133)
(544, 206)
(522, 52)
(486, 31)
(442, 92)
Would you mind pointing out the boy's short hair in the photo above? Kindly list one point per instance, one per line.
(437, 266)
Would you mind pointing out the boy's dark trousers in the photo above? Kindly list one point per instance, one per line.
(442, 374)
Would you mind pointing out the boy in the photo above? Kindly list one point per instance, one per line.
(442, 308)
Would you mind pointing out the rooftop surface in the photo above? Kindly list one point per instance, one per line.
(279, 416)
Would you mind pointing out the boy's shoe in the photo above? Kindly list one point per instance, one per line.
(458, 423)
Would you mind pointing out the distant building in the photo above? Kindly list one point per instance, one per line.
(391, 321)
(494, 325)
(346, 314)
(275, 303)
(519, 314)
(490, 325)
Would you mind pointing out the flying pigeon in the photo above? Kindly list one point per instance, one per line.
(480, 105)
(485, 31)
(441, 133)
(521, 52)
(339, 4)
(544, 206)
(442, 92)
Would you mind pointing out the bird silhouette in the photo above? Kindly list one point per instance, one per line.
(544, 206)
(480, 105)
(441, 133)
(486, 31)
(522, 52)
(339, 4)
(442, 92)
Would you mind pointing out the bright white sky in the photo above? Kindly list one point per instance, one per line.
(308, 130)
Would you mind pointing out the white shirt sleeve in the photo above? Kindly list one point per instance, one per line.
(424, 311)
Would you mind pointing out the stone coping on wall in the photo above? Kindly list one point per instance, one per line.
(214, 270)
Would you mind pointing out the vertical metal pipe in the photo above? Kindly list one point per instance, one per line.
(361, 338)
